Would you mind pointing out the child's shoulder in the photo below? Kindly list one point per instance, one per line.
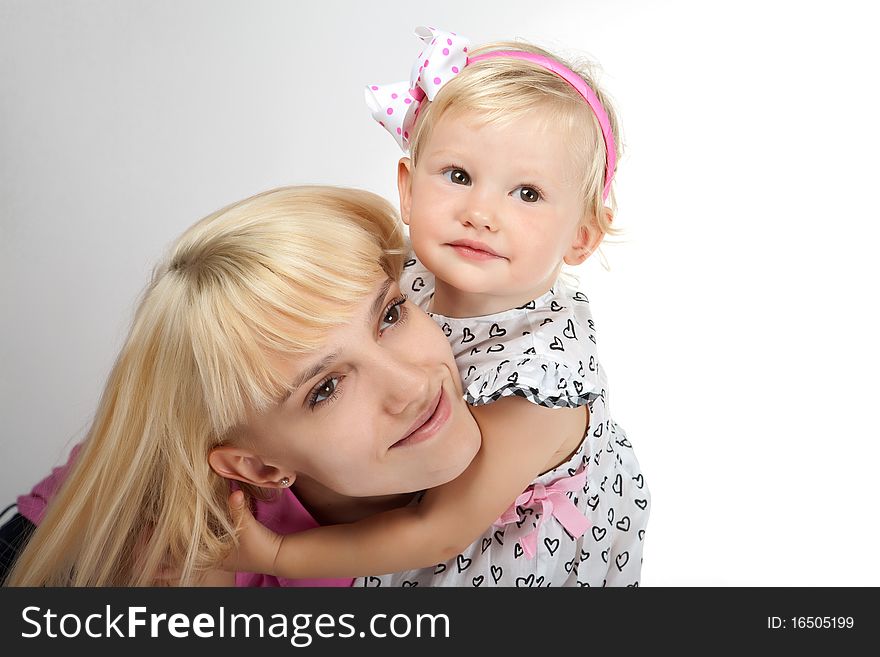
(544, 351)
(416, 281)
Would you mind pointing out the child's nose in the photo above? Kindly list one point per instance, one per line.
(480, 213)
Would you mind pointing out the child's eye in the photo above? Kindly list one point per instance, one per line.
(529, 194)
(458, 176)
(395, 313)
(324, 391)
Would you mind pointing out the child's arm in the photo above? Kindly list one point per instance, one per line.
(519, 440)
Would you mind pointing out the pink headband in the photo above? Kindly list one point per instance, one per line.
(396, 106)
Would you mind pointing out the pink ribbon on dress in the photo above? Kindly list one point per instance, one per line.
(554, 502)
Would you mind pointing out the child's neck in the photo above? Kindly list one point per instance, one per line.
(452, 302)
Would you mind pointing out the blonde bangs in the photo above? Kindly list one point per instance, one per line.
(270, 277)
(500, 90)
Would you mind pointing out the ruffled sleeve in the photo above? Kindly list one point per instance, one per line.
(540, 380)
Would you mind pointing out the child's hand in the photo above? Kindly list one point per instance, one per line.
(257, 544)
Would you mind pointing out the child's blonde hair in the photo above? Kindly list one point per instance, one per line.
(502, 89)
(262, 278)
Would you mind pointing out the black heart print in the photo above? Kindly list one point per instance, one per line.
(373, 581)
(495, 348)
(513, 377)
(499, 534)
(610, 516)
(617, 486)
(552, 545)
(447, 329)
(580, 296)
(639, 480)
(593, 502)
(463, 563)
(642, 504)
(621, 560)
(599, 533)
(478, 580)
(568, 331)
(623, 524)
(407, 583)
(497, 571)
(496, 331)
(418, 284)
(525, 581)
(439, 568)
(471, 370)
(557, 344)
(545, 321)
(466, 336)
(555, 307)
(605, 555)
(529, 306)
(475, 350)
(486, 543)
(409, 263)
(578, 386)
(571, 565)
(517, 551)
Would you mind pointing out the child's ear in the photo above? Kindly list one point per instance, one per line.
(404, 187)
(243, 465)
(587, 239)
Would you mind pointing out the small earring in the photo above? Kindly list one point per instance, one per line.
(284, 483)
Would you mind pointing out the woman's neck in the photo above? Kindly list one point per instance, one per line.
(328, 507)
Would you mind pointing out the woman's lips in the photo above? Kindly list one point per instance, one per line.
(426, 427)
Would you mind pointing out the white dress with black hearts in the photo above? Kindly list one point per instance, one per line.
(544, 352)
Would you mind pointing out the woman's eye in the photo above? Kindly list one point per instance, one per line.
(323, 391)
(459, 176)
(393, 314)
(529, 194)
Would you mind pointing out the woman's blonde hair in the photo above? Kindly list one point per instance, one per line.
(264, 277)
(501, 89)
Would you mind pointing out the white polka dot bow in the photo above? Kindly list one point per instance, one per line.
(396, 106)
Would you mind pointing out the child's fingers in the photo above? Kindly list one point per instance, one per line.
(237, 508)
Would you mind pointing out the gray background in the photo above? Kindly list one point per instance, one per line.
(737, 323)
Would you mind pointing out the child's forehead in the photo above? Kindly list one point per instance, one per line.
(455, 127)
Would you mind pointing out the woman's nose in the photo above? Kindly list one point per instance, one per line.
(404, 382)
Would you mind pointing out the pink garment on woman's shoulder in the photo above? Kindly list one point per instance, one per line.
(284, 515)
(33, 505)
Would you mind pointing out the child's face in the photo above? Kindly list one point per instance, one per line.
(378, 409)
(494, 210)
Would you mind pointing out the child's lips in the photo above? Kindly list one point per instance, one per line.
(474, 250)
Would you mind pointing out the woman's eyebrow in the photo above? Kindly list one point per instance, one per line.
(314, 370)
(376, 308)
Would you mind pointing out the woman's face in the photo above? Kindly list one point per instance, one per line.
(377, 410)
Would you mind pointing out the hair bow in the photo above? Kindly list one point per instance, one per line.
(396, 106)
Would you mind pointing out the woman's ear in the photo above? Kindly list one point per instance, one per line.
(404, 187)
(587, 239)
(243, 465)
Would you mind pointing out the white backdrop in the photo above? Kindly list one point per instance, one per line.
(736, 323)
